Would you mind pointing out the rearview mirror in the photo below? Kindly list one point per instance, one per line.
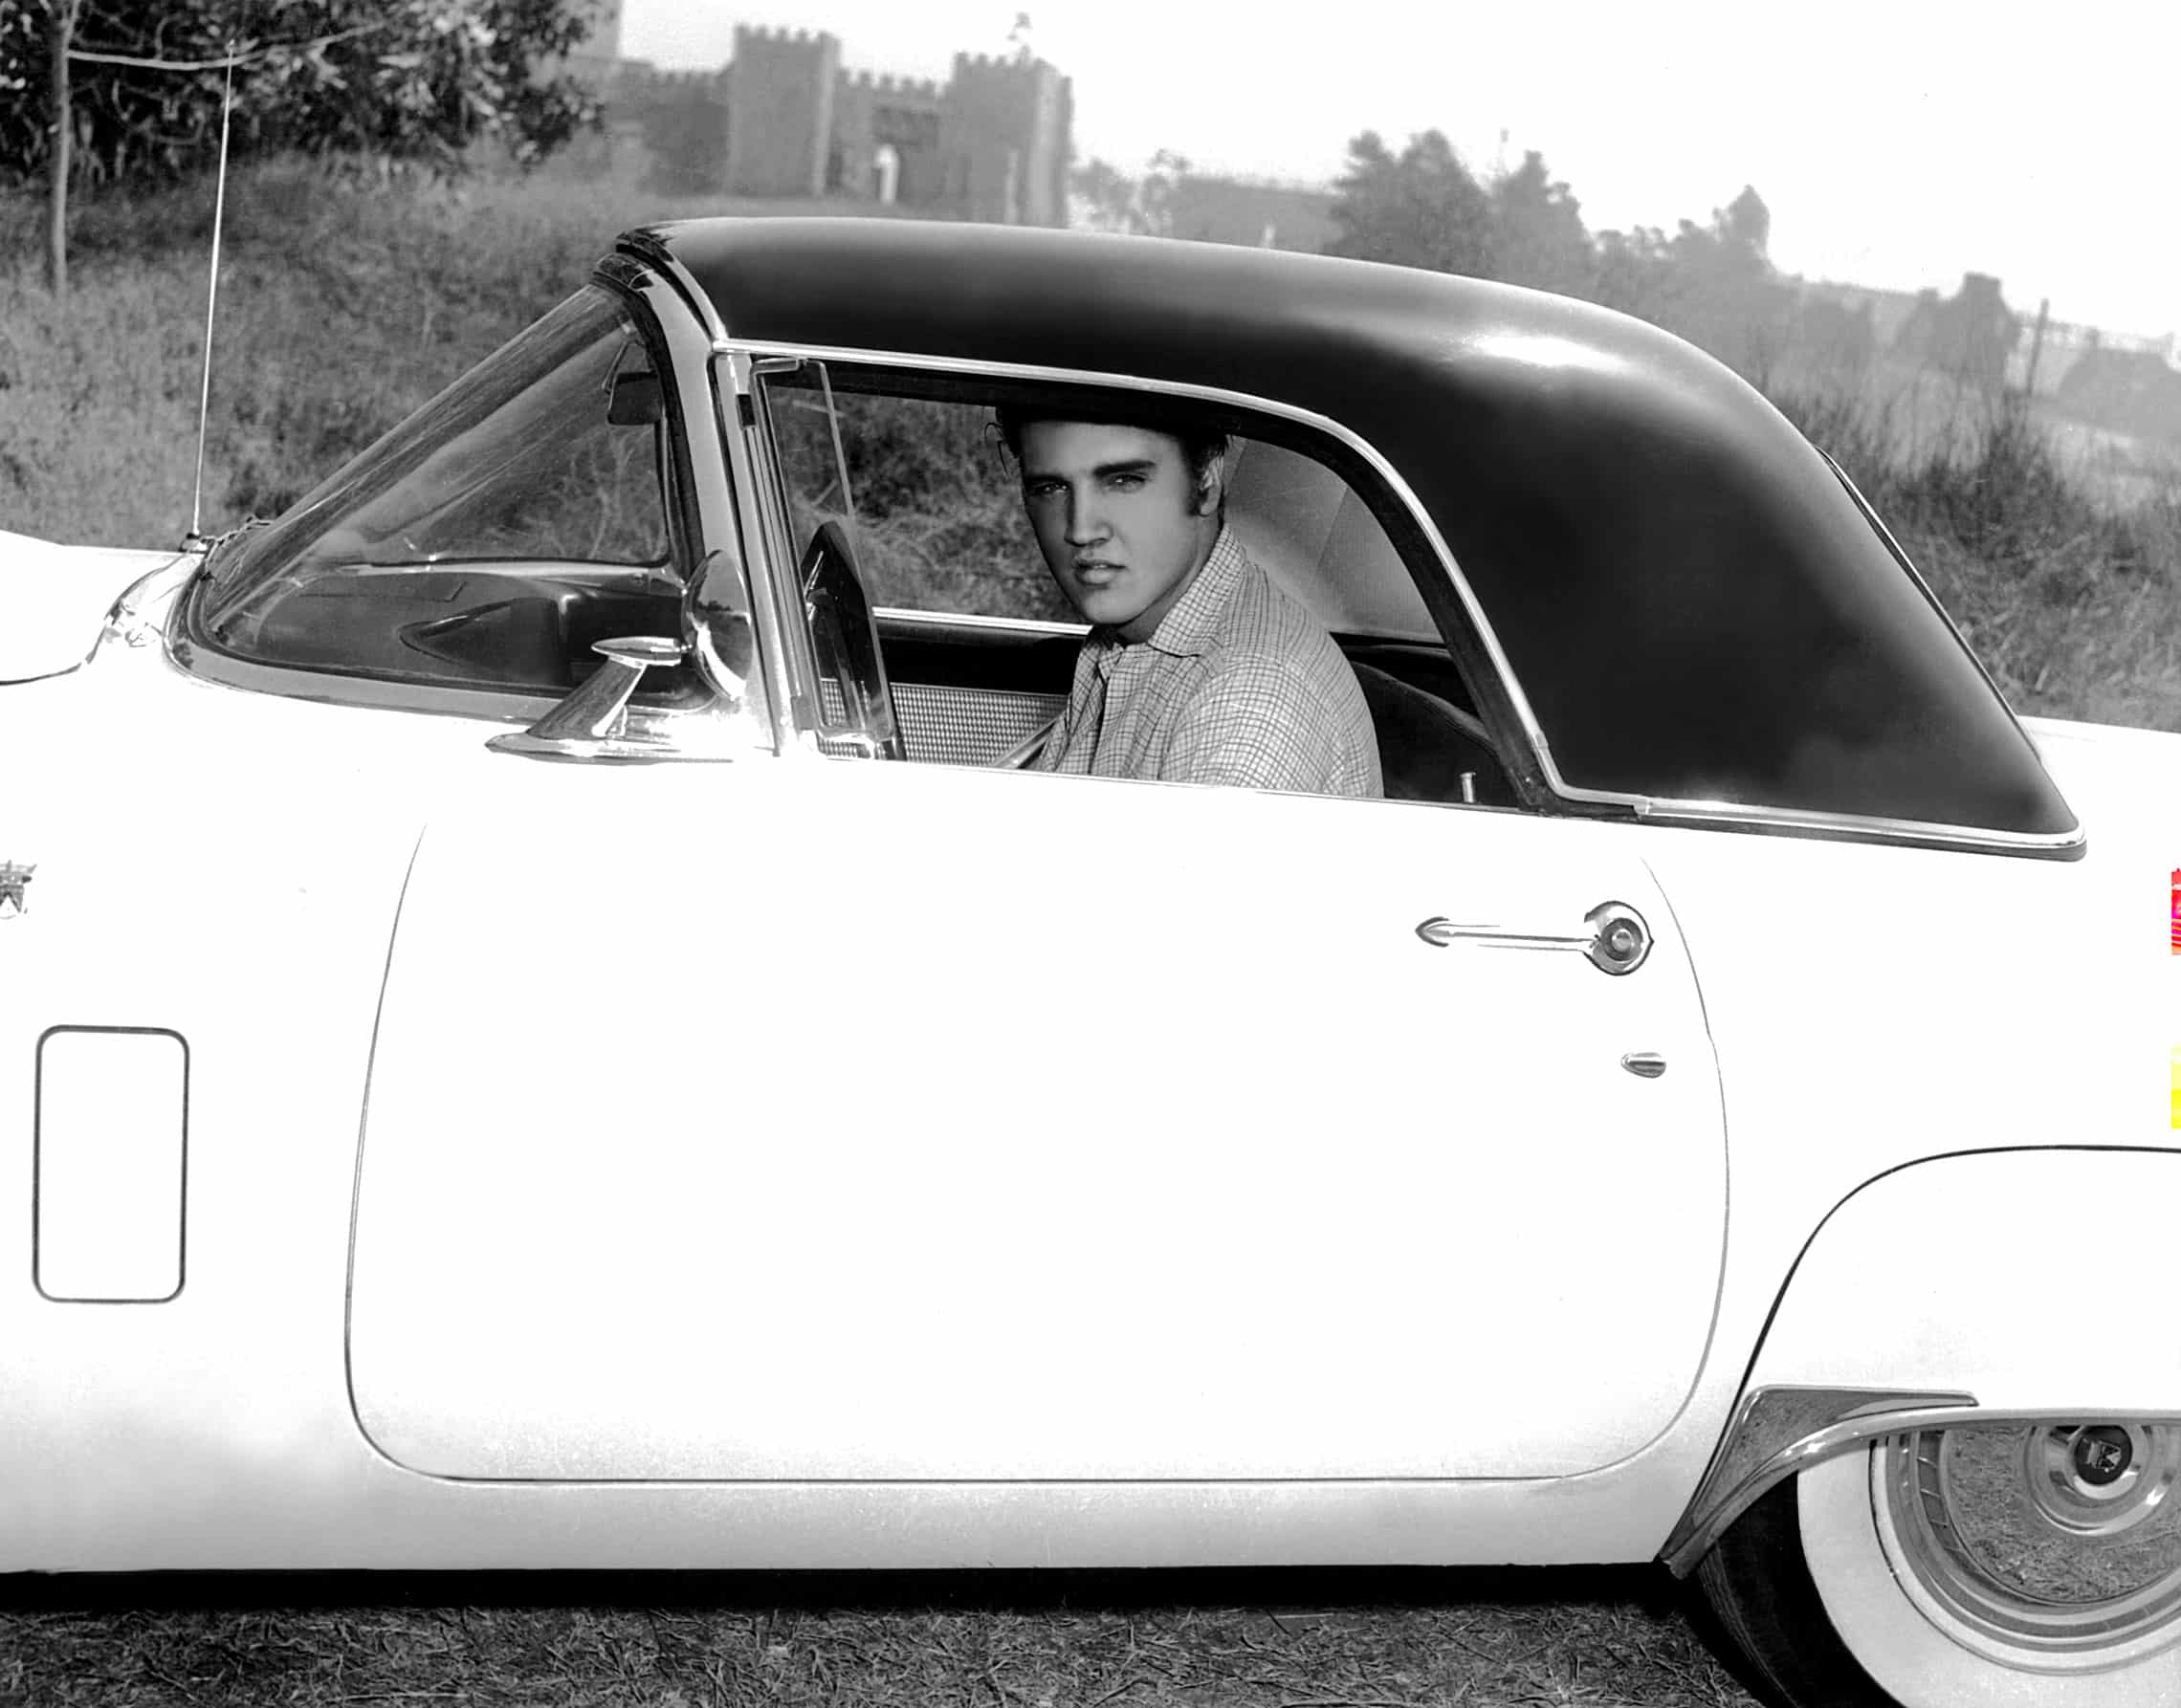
(636, 400)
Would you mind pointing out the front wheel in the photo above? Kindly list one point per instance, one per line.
(2011, 1565)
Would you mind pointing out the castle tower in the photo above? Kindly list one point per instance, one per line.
(898, 114)
(1008, 141)
(780, 111)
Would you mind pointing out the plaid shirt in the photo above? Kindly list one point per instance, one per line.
(1238, 684)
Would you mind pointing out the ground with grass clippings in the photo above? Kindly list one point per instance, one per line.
(1600, 1637)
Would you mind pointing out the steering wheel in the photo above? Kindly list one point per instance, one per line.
(844, 635)
(1016, 757)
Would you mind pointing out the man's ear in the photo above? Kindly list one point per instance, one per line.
(1211, 487)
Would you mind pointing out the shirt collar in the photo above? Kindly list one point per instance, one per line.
(1192, 623)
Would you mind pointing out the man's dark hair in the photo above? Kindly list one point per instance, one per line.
(1201, 446)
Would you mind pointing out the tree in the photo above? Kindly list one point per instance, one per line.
(1538, 236)
(114, 90)
(1109, 199)
(1422, 208)
(1712, 284)
(1746, 224)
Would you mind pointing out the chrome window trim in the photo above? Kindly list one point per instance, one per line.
(1920, 833)
(1032, 626)
(1857, 827)
(333, 687)
(661, 260)
(1916, 579)
(801, 700)
(1778, 1432)
(728, 385)
(721, 551)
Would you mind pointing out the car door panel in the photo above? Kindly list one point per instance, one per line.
(835, 1120)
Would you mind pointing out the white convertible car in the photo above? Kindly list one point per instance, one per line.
(543, 1022)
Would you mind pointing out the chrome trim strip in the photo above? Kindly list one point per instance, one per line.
(1754, 1466)
(1852, 825)
(1035, 626)
(802, 701)
(329, 687)
(730, 389)
(1778, 1432)
(1915, 576)
(661, 260)
(1699, 812)
(720, 575)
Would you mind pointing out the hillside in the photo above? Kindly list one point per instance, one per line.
(347, 299)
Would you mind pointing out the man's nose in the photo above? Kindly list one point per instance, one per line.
(1086, 518)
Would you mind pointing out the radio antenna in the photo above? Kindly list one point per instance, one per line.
(211, 302)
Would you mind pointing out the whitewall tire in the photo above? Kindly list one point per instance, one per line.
(1980, 1568)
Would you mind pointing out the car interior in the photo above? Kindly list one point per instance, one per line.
(970, 692)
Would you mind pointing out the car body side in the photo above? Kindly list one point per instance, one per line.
(234, 869)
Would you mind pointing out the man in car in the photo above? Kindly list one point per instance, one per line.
(1196, 667)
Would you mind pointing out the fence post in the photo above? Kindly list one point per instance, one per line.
(63, 27)
(2036, 347)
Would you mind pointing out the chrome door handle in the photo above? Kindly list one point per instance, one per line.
(1617, 940)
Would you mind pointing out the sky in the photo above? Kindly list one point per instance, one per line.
(1896, 145)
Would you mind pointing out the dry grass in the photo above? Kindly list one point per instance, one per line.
(2058, 559)
(1282, 1639)
(345, 303)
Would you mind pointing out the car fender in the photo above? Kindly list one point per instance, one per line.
(2025, 1278)
(55, 598)
(1993, 1285)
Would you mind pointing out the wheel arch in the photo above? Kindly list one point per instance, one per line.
(2019, 1312)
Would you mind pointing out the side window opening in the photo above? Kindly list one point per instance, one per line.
(979, 640)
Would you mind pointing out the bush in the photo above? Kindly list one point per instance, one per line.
(2070, 599)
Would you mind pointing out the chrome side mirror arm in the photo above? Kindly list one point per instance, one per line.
(599, 720)
(595, 722)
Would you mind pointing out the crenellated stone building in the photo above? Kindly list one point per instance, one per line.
(991, 143)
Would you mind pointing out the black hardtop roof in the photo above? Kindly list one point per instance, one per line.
(1316, 330)
(1693, 604)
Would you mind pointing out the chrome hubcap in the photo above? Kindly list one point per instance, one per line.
(2052, 1547)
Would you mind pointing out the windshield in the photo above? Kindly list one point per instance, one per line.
(549, 453)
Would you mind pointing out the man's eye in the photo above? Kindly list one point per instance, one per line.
(1125, 483)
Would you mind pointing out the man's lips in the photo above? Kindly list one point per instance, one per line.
(1096, 572)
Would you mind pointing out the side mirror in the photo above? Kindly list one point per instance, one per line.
(717, 634)
(593, 723)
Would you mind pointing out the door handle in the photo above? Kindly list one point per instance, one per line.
(1617, 942)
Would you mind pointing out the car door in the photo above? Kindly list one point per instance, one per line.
(823, 1119)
